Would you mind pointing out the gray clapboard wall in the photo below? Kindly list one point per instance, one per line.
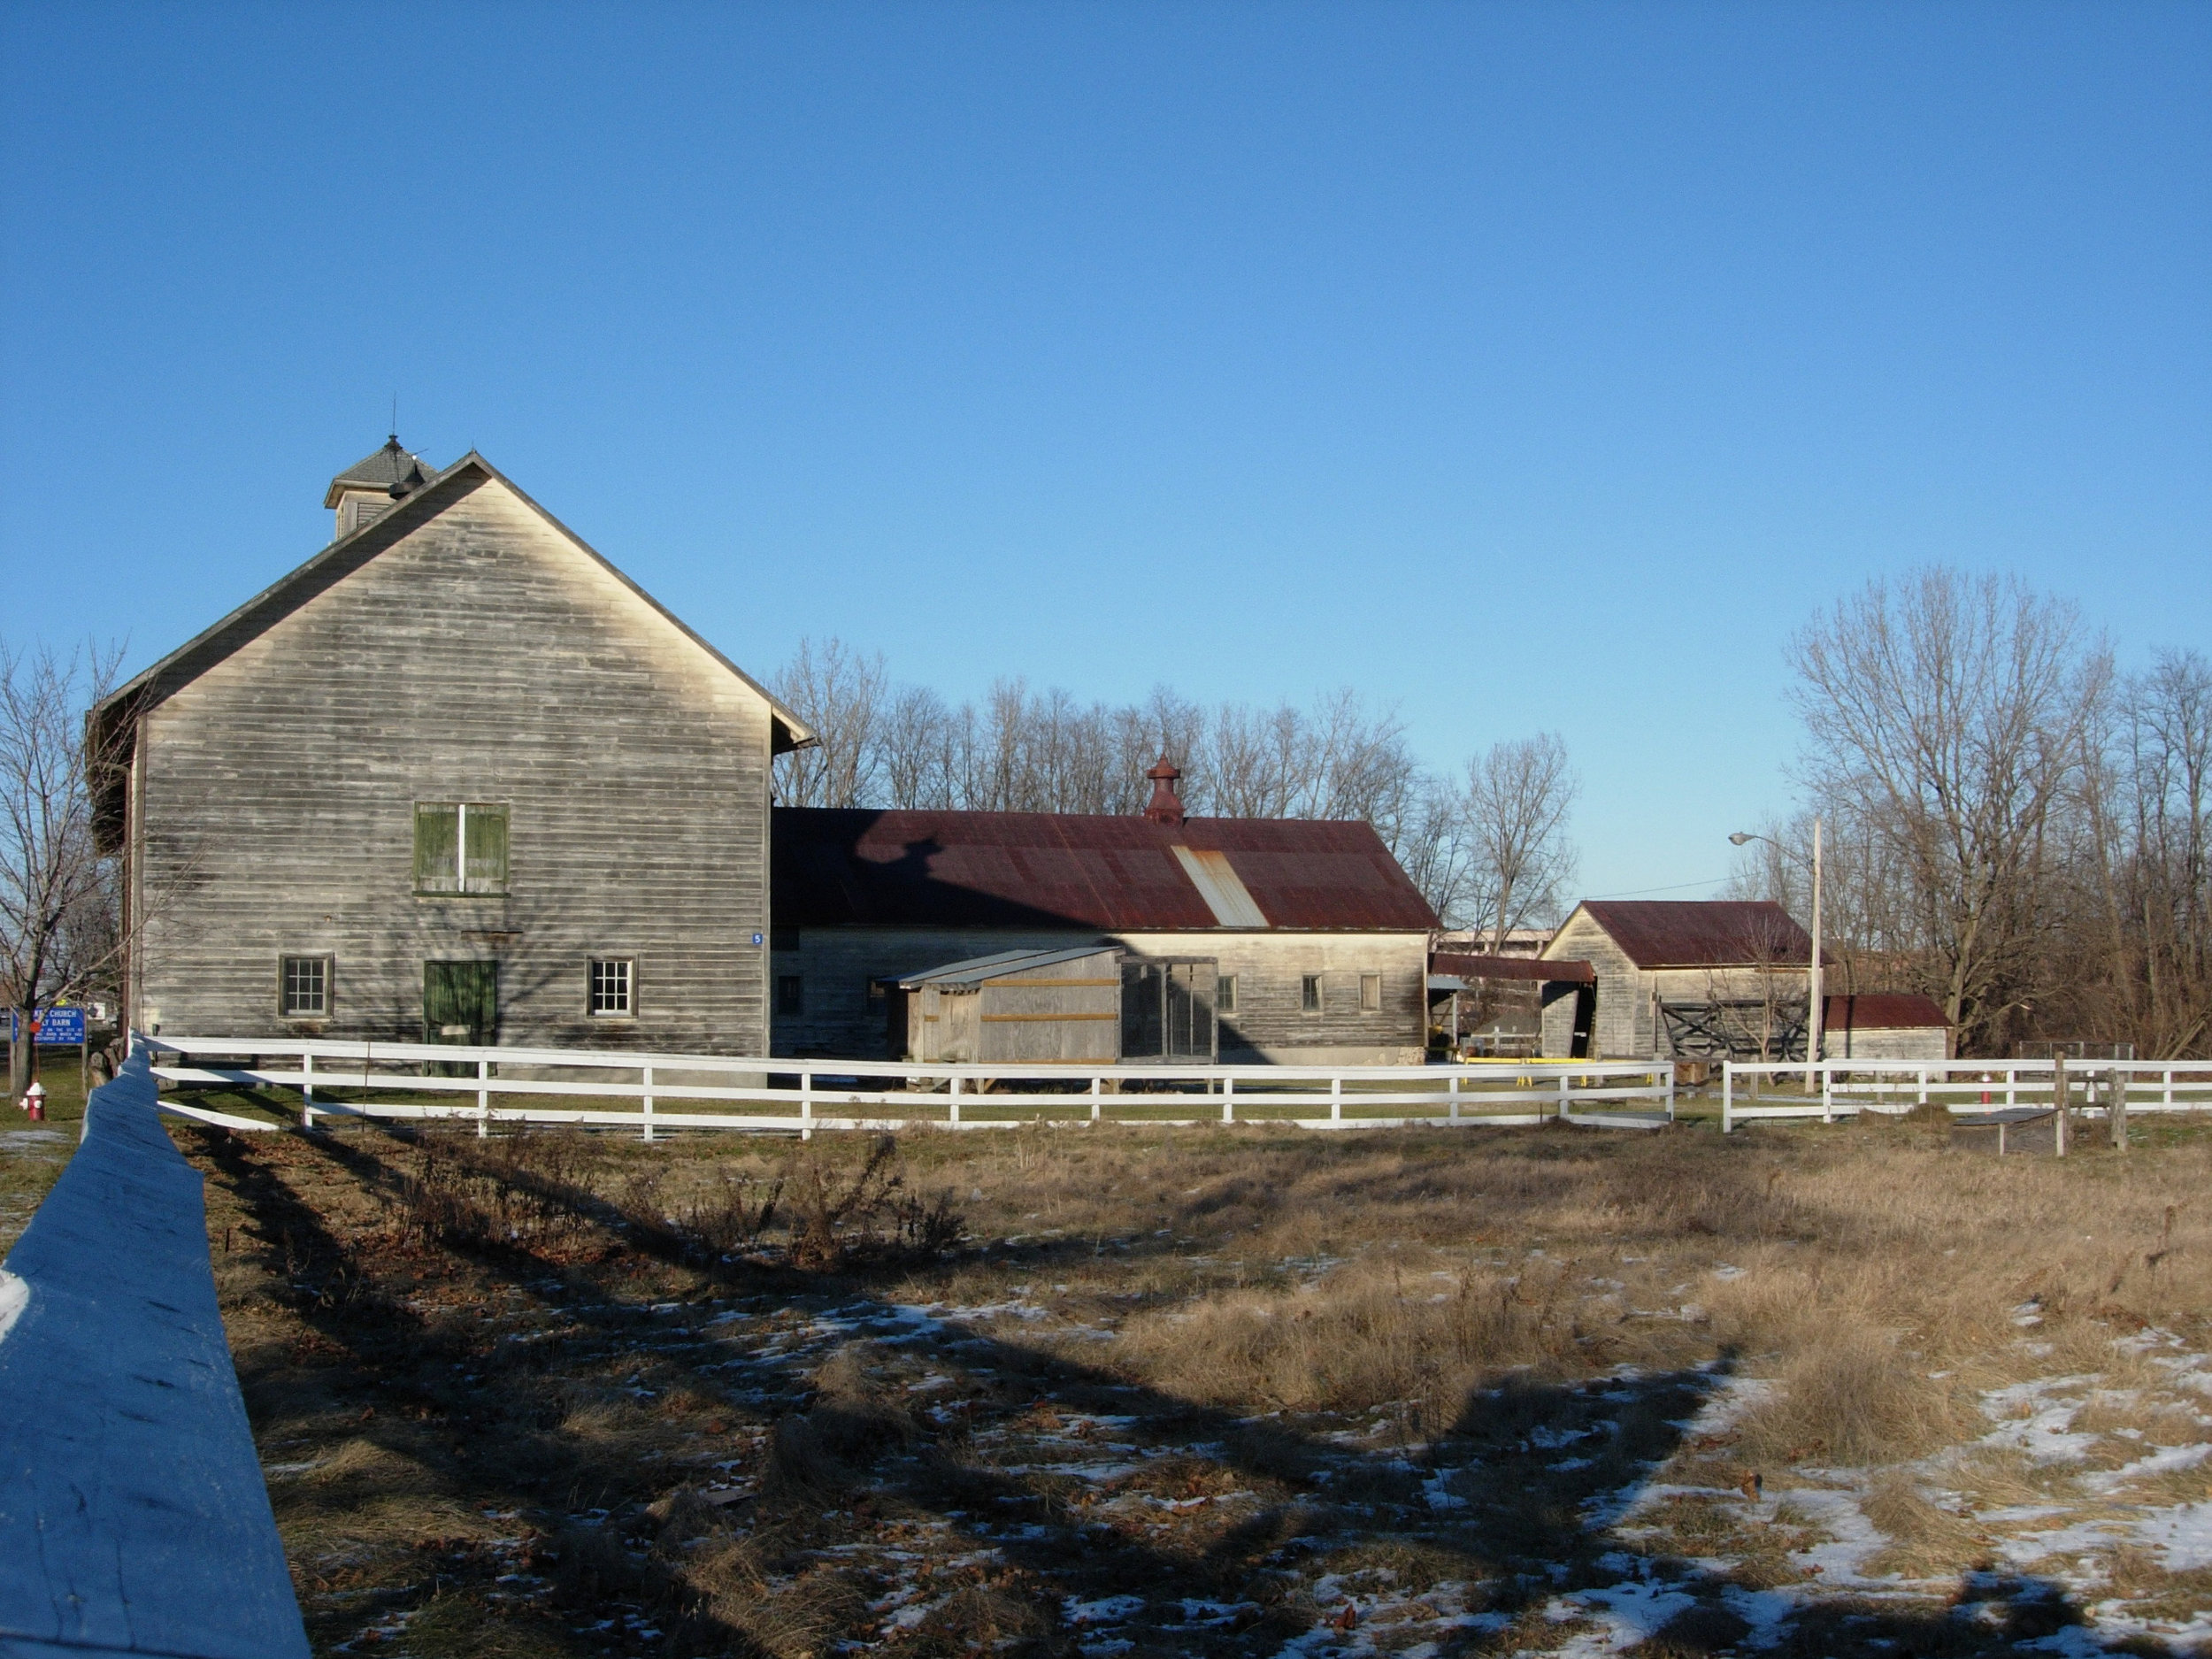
(481, 657)
(836, 1016)
(133, 1514)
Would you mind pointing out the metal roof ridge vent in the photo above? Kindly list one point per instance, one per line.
(1218, 884)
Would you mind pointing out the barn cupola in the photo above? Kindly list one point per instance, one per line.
(1166, 807)
(373, 485)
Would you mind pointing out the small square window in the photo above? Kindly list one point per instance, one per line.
(305, 993)
(1226, 994)
(790, 994)
(613, 987)
(1309, 994)
(1370, 992)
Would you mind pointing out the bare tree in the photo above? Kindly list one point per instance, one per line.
(1436, 852)
(1520, 796)
(839, 692)
(58, 929)
(1951, 713)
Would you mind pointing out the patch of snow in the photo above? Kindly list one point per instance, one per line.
(2182, 1536)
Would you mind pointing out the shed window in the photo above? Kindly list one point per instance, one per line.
(1309, 994)
(1226, 994)
(790, 994)
(306, 987)
(460, 846)
(1370, 992)
(613, 987)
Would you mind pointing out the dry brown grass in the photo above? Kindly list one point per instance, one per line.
(1248, 1379)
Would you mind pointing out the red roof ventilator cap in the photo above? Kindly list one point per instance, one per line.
(1166, 807)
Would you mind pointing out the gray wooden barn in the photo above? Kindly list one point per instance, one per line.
(456, 777)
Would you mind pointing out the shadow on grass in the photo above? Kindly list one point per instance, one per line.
(1504, 1522)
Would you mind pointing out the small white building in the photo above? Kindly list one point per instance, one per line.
(1884, 1025)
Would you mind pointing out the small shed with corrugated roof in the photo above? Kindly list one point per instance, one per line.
(1041, 1006)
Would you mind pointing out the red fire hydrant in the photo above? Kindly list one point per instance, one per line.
(35, 1101)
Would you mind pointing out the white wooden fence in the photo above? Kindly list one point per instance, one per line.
(658, 1092)
(1846, 1087)
(133, 1514)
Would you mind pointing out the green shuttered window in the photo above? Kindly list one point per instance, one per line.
(460, 846)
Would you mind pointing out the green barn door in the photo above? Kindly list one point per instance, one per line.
(460, 1002)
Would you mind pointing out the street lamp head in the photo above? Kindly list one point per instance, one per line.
(1741, 836)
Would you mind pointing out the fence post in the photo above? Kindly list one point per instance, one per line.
(307, 1089)
(955, 1119)
(1336, 1098)
(2116, 1110)
(1098, 1090)
(1670, 1091)
(1228, 1099)
(1454, 1104)
(484, 1100)
(2061, 1122)
(647, 1101)
(2169, 1097)
(1827, 1094)
(1727, 1097)
(2062, 1093)
(806, 1104)
(2012, 1086)
(1924, 1086)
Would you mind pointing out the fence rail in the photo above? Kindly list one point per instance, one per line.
(790, 1096)
(132, 1516)
(1847, 1087)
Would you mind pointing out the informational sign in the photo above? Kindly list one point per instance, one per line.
(53, 1025)
(756, 939)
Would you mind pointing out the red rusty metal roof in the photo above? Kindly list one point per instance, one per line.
(835, 867)
(1702, 932)
(1882, 1010)
(1465, 967)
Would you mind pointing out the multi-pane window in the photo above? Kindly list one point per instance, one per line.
(1226, 994)
(1309, 994)
(790, 994)
(305, 987)
(613, 986)
(460, 846)
(1370, 992)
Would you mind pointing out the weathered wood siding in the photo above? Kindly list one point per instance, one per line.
(835, 965)
(1624, 1026)
(1892, 1043)
(482, 657)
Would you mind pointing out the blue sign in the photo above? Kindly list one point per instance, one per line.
(53, 1025)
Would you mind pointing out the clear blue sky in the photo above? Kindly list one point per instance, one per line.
(1526, 366)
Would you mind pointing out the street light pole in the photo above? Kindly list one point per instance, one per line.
(1819, 1007)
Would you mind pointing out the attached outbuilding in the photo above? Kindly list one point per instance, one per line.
(1252, 940)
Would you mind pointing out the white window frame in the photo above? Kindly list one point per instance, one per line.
(285, 1011)
(593, 988)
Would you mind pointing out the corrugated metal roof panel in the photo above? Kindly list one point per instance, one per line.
(1882, 1010)
(1556, 972)
(833, 867)
(1700, 933)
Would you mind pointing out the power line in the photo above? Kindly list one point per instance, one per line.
(1711, 882)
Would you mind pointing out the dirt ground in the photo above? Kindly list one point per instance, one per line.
(1858, 1390)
